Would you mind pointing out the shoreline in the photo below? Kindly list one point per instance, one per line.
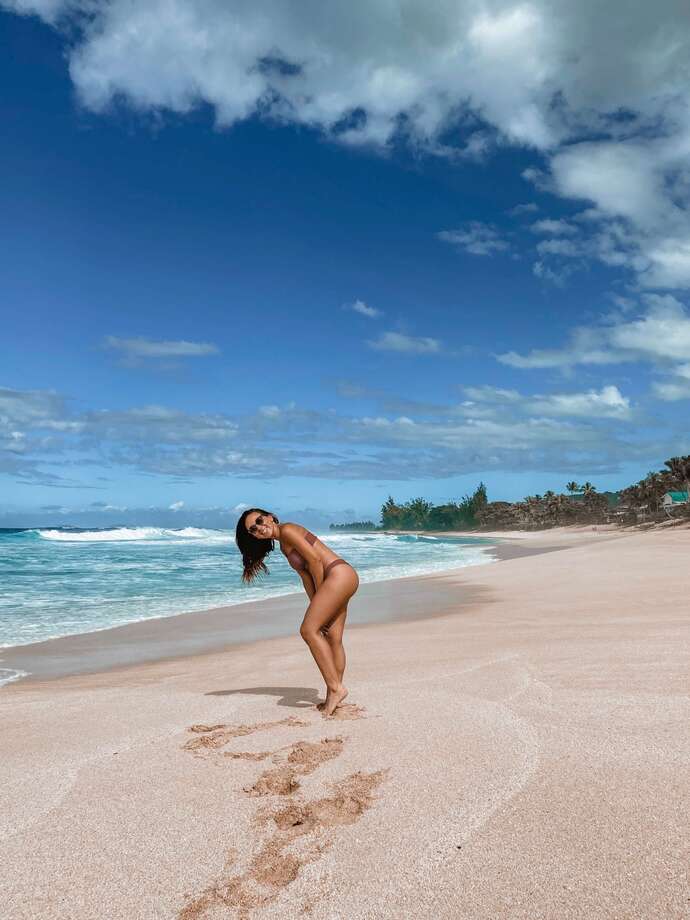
(214, 629)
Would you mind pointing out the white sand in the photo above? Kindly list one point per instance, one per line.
(525, 757)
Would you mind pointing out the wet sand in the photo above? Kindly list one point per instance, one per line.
(520, 753)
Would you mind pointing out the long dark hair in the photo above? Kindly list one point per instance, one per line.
(252, 548)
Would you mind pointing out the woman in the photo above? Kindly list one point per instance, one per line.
(328, 580)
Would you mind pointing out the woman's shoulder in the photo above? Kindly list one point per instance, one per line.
(290, 528)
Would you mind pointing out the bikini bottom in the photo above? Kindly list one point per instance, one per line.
(334, 563)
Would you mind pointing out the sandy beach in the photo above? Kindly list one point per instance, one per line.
(514, 745)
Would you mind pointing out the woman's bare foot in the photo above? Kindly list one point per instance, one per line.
(333, 699)
(320, 706)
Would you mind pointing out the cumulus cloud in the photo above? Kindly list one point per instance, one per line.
(477, 238)
(364, 309)
(396, 341)
(176, 506)
(148, 348)
(660, 335)
(640, 190)
(607, 108)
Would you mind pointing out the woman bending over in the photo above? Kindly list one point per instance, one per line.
(328, 580)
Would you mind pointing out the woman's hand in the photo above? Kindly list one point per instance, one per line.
(316, 571)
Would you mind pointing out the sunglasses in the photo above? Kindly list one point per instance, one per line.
(259, 522)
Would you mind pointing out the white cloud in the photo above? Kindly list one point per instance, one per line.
(477, 238)
(492, 429)
(455, 79)
(396, 341)
(50, 10)
(147, 348)
(673, 391)
(619, 177)
(586, 346)
(662, 334)
(659, 336)
(608, 402)
(240, 507)
(641, 193)
(555, 227)
(176, 506)
(520, 209)
(557, 276)
(506, 62)
(360, 307)
(560, 247)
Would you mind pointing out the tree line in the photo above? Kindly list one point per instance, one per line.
(354, 525)
(583, 504)
(420, 514)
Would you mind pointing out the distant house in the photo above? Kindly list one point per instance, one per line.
(671, 499)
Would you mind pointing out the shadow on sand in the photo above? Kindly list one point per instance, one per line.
(294, 697)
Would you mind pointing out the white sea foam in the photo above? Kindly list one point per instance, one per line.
(8, 675)
(129, 534)
(67, 582)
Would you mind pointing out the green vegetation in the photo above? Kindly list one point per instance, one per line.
(354, 525)
(419, 514)
(582, 505)
(647, 495)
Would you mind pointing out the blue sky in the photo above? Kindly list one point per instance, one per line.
(306, 264)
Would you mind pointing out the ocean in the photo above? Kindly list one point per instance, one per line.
(63, 581)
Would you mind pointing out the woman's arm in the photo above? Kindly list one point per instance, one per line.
(306, 551)
(308, 583)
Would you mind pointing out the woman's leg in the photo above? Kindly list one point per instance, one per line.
(334, 636)
(335, 640)
(326, 604)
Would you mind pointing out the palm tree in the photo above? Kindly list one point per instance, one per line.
(653, 486)
(573, 487)
(680, 468)
(588, 488)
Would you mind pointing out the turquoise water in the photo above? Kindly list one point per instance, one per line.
(61, 582)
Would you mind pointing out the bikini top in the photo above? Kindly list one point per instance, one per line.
(296, 560)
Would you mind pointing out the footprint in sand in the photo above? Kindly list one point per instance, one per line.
(304, 758)
(272, 869)
(298, 823)
(213, 737)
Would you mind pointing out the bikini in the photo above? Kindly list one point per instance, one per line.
(298, 562)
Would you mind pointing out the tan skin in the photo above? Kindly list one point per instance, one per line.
(324, 621)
